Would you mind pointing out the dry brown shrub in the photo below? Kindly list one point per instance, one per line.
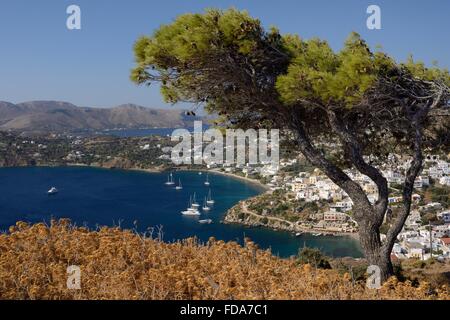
(120, 264)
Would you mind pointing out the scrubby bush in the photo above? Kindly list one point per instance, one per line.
(313, 257)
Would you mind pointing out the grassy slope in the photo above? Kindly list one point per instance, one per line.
(118, 264)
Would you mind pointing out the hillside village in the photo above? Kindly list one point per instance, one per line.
(332, 212)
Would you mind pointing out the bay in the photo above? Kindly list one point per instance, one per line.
(141, 200)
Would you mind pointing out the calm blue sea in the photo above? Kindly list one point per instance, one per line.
(112, 197)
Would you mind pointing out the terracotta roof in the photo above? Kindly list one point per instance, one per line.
(446, 241)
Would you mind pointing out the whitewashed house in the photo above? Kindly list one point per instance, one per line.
(444, 216)
(445, 180)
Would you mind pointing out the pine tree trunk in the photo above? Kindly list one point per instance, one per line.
(376, 254)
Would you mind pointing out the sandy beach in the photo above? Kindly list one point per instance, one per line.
(249, 180)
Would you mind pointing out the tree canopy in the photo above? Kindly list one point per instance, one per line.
(364, 103)
(227, 62)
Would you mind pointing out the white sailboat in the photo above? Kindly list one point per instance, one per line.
(195, 205)
(205, 206)
(190, 211)
(210, 200)
(170, 180)
(207, 180)
(179, 186)
(205, 221)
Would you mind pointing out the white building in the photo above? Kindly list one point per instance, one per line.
(334, 216)
(324, 194)
(444, 216)
(344, 205)
(445, 180)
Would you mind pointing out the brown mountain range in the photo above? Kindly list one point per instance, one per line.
(57, 116)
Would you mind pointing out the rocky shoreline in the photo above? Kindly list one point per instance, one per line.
(235, 215)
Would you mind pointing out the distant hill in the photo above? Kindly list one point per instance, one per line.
(57, 116)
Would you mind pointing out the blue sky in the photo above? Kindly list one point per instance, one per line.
(41, 60)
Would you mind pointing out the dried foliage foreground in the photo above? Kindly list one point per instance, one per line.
(120, 264)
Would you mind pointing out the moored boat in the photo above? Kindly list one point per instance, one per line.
(210, 199)
(195, 205)
(190, 211)
(170, 180)
(52, 191)
(205, 206)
